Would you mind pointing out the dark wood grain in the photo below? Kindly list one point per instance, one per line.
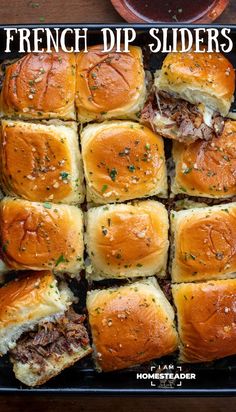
(103, 404)
(73, 11)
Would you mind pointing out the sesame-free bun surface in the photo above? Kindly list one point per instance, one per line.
(207, 168)
(41, 236)
(203, 77)
(27, 300)
(130, 325)
(206, 319)
(122, 160)
(204, 243)
(40, 86)
(41, 162)
(109, 85)
(127, 240)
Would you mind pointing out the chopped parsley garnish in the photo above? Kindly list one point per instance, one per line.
(131, 168)
(104, 188)
(113, 174)
(47, 205)
(4, 247)
(64, 175)
(187, 170)
(61, 259)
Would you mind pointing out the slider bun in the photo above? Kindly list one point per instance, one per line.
(32, 375)
(40, 86)
(204, 243)
(207, 168)
(131, 324)
(41, 162)
(206, 319)
(122, 160)
(110, 85)
(28, 300)
(206, 78)
(127, 240)
(41, 236)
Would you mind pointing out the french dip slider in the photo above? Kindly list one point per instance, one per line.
(40, 86)
(193, 94)
(206, 319)
(40, 236)
(207, 169)
(41, 162)
(204, 243)
(122, 160)
(39, 328)
(130, 325)
(109, 85)
(125, 240)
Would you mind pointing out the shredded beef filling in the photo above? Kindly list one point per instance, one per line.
(64, 335)
(184, 115)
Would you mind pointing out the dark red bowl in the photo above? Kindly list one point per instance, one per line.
(131, 16)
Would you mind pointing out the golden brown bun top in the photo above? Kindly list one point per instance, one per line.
(202, 70)
(33, 161)
(199, 78)
(205, 242)
(130, 325)
(39, 235)
(208, 167)
(131, 235)
(40, 85)
(206, 318)
(123, 160)
(30, 291)
(107, 81)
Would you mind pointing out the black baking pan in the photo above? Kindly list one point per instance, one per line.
(211, 379)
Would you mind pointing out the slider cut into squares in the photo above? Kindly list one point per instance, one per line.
(204, 243)
(41, 162)
(40, 86)
(127, 240)
(110, 85)
(41, 236)
(206, 319)
(207, 168)
(130, 325)
(122, 161)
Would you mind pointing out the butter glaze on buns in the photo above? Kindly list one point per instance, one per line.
(127, 240)
(40, 86)
(206, 319)
(204, 243)
(122, 161)
(110, 85)
(41, 236)
(206, 78)
(207, 169)
(41, 162)
(130, 325)
(26, 301)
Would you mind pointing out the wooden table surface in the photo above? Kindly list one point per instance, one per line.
(92, 11)
(74, 11)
